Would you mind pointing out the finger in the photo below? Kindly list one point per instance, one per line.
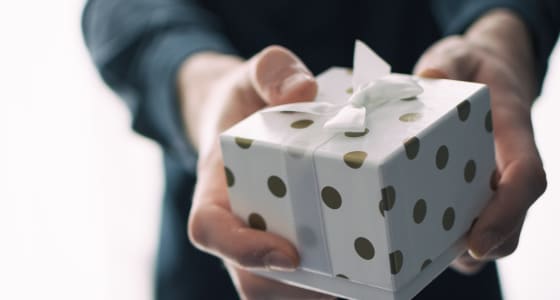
(466, 264)
(505, 248)
(251, 286)
(504, 214)
(214, 228)
(280, 77)
(451, 58)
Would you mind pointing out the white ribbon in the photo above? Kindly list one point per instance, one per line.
(373, 85)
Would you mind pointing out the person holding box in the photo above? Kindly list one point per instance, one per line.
(191, 69)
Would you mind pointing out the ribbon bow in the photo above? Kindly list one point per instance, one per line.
(373, 85)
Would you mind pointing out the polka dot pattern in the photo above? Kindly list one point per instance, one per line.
(349, 91)
(464, 110)
(442, 156)
(437, 146)
(381, 210)
(356, 134)
(276, 186)
(230, 179)
(331, 197)
(364, 248)
(488, 121)
(470, 171)
(448, 219)
(420, 210)
(410, 117)
(411, 147)
(301, 124)
(342, 276)
(396, 261)
(256, 221)
(425, 264)
(243, 142)
(355, 159)
(388, 198)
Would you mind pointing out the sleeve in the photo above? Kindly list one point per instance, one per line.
(454, 17)
(138, 45)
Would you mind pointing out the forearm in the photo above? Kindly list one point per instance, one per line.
(196, 79)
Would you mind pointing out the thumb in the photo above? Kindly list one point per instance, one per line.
(450, 58)
(279, 76)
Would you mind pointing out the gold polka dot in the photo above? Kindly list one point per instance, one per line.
(396, 261)
(243, 142)
(381, 210)
(388, 198)
(488, 121)
(448, 218)
(356, 134)
(276, 186)
(410, 98)
(355, 159)
(410, 117)
(412, 146)
(349, 90)
(349, 71)
(464, 109)
(342, 276)
(364, 248)
(494, 180)
(470, 171)
(288, 112)
(331, 197)
(442, 156)
(256, 221)
(420, 209)
(425, 264)
(230, 179)
(301, 124)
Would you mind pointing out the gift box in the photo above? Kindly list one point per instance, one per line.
(375, 182)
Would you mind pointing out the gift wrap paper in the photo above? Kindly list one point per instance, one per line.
(374, 213)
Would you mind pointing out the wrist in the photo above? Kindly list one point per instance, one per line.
(503, 34)
(197, 77)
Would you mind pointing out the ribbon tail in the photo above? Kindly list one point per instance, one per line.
(349, 118)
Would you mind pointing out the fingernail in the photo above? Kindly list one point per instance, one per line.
(279, 261)
(432, 73)
(293, 82)
(488, 242)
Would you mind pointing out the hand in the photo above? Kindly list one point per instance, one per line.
(216, 92)
(497, 51)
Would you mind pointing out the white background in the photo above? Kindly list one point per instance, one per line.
(79, 192)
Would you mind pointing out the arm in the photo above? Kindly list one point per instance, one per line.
(169, 61)
(499, 50)
(138, 47)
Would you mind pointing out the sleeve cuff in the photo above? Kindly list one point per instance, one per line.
(159, 116)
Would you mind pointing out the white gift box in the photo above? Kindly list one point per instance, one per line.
(375, 213)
